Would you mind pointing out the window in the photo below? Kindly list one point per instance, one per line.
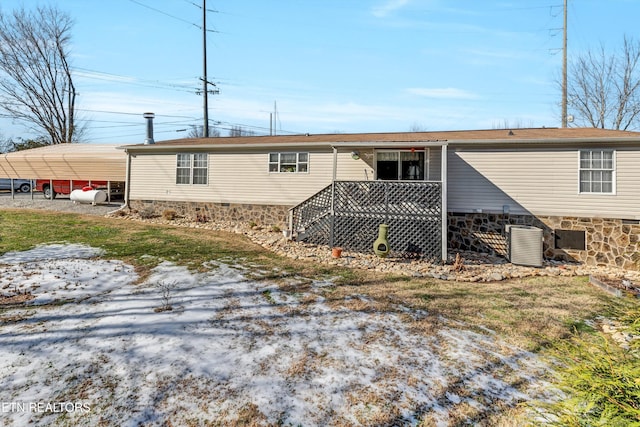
(289, 162)
(401, 165)
(192, 169)
(597, 171)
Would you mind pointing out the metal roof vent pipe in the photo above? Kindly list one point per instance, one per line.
(149, 139)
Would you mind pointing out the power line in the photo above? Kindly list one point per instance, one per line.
(173, 16)
(200, 7)
(133, 114)
(119, 78)
(164, 13)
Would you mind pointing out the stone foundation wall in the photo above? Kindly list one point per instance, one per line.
(613, 242)
(267, 215)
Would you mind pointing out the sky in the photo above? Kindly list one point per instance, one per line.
(326, 66)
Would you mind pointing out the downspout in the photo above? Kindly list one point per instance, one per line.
(127, 179)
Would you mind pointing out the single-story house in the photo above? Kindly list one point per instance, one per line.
(440, 192)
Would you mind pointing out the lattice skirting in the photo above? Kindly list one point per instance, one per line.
(348, 214)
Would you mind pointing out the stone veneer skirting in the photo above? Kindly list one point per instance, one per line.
(614, 242)
(266, 215)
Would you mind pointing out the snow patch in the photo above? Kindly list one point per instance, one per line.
(230, 344)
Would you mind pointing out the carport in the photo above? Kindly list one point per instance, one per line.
(71, 162)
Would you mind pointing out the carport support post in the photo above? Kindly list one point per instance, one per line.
(13, 194)
(443, 196)
(51, 190)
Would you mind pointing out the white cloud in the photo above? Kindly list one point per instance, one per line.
(442, 93)
(388, 7)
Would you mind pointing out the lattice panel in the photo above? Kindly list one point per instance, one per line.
(411, 209)
(312, 210)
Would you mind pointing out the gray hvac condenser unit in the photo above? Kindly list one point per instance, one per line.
(524, 245)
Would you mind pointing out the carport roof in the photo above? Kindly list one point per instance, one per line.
(66, 161)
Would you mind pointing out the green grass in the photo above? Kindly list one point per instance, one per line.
(145, 246)
(550, 315)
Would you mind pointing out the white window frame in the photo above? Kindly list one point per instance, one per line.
(279, 164)
(192, 168)
(613, 171)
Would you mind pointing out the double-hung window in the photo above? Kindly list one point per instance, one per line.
(597, 171)
(289, 162)
(192, 168)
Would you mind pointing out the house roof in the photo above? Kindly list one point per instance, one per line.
(436, 138)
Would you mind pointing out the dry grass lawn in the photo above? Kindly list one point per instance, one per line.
(530, 314)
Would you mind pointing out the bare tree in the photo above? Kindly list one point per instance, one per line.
(197, 131)
(603, 89)
(417, 127)
(36, 86)
(9, 145)
(516, 124)
(237, 130)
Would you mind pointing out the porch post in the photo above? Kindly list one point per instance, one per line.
(127, 178)
(333, 197)
(445, 219)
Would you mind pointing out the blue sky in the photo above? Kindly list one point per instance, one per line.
(330, 65)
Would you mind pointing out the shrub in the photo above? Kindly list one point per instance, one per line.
(147, 213)
(276, 228)
(169, 214)
(600, 379)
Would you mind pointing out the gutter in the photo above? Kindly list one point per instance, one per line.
(338, 144)
(418, 143)
(543, 141)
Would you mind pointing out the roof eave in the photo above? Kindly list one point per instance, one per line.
(566, 141)
(337, 144)
(386, 144)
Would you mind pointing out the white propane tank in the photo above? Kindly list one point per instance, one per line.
(88, 196)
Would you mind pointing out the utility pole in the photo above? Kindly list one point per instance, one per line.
(275, 117)
(564, 68)
(205, 92)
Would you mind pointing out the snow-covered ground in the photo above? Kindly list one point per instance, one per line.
(94, 347)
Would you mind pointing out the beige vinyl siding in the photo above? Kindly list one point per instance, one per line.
(435, 164)
(355, 170)
(239, 177)
(538, 181)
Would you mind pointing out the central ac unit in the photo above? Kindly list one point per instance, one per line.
(524, 245)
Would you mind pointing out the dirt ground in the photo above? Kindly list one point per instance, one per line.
(60, 203)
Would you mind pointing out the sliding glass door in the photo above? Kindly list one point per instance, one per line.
(400, 165)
